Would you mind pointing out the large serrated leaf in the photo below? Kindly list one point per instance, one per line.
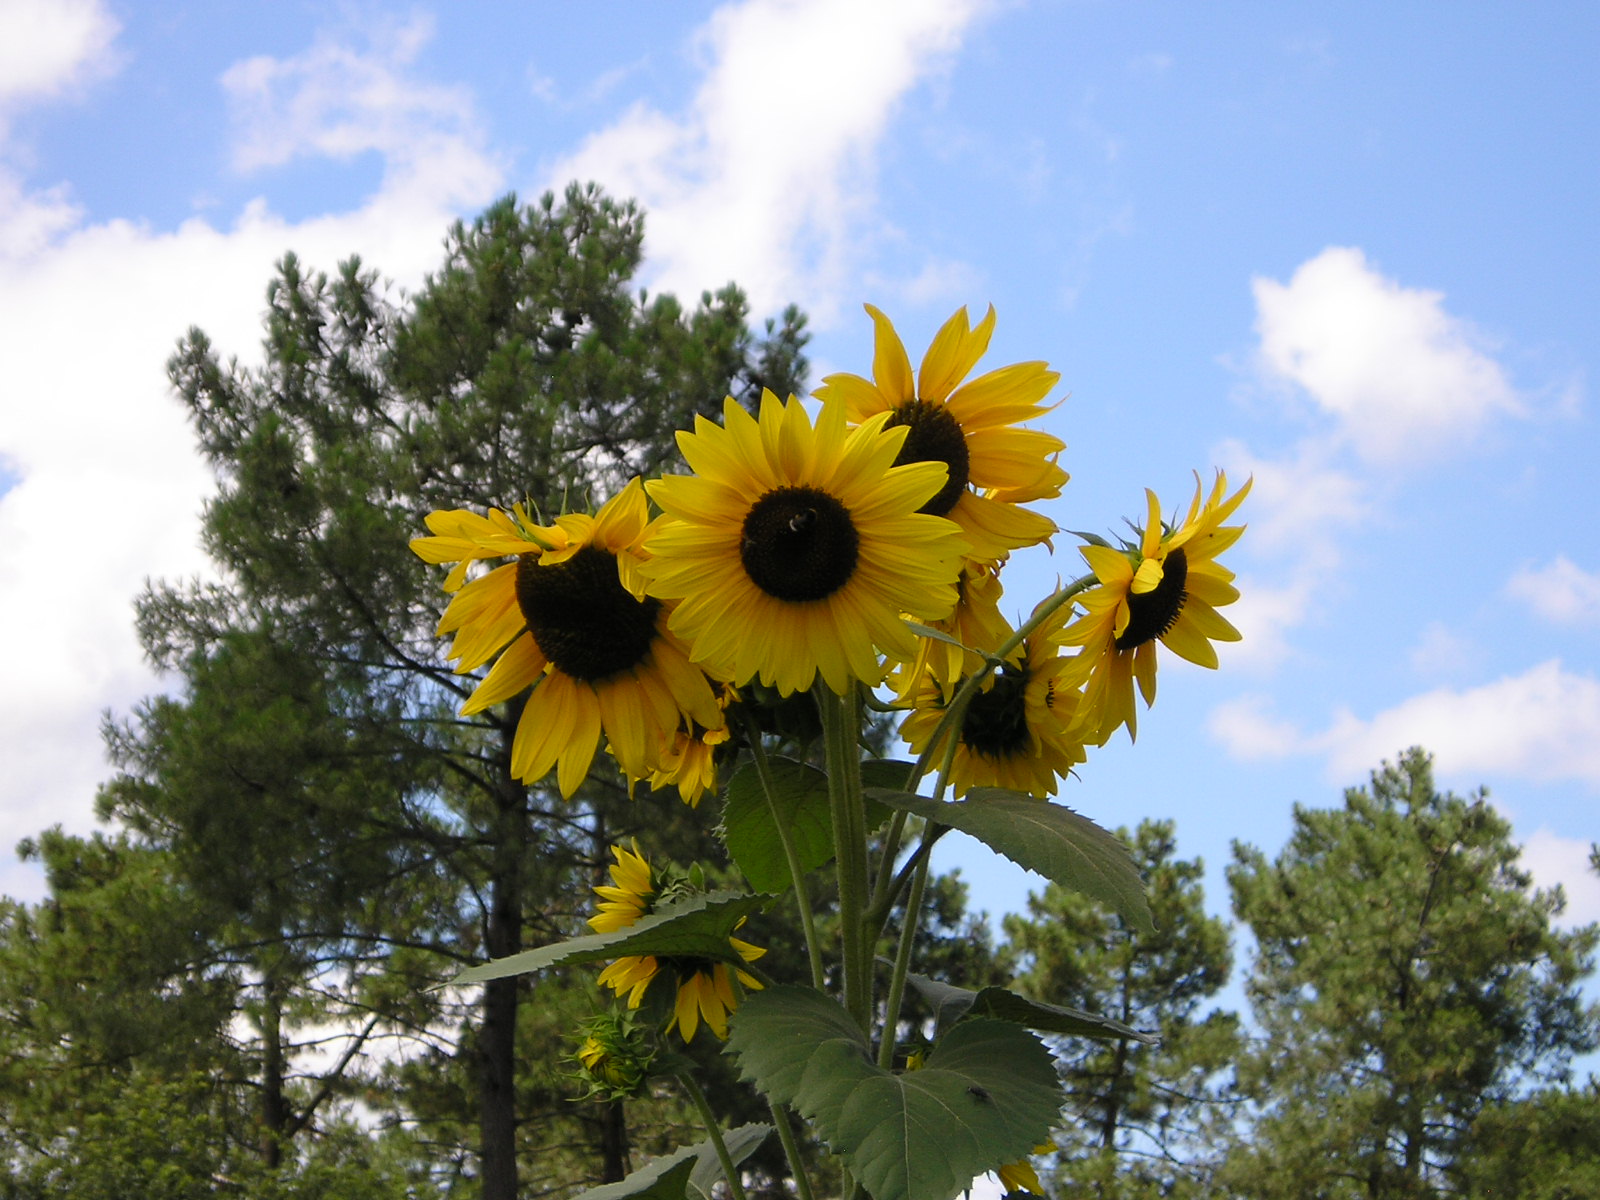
(987, 1094)
(698, 927)
(800, 795)
(1049, 839)
(689, 1174)
(952, 1003)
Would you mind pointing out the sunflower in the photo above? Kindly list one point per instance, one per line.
(630, 893)
(793, 550)
(689, 763)
(972, 428)
(705, 986)
(975, 621)
(568, 615)
(1019, 731)
(1164, 588)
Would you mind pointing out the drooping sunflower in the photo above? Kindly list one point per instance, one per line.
(689, 761)
(973, 428)
(974, 622)
(1165, 588)
(793, 550)
(1019, 731)
(572, 625)
(705, 986)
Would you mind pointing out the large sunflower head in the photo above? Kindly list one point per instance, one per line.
(1165, 588)
(972, 427)
(793, 549)
(1019, 731)
(568, 616)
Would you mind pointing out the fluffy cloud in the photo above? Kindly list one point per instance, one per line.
(50, 46)
(1539, 725)
(107, 488)
(1399, 375)
(1553, 859)
(1562, 592)
(338, 101)
(768, 176)
(1299, 508)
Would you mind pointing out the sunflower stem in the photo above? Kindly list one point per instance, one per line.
(790, 855)
(839, 725)
(902, 963)
(714, 1128)
(891, 850)
(791, 1149)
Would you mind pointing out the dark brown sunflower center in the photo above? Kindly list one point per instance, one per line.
(996, 724)
(584, 620)
(1152, 613)
(798, 544)
(935, 437)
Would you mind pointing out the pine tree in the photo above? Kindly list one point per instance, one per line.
(1141, 1120)
(1405, 977)
(314, 772)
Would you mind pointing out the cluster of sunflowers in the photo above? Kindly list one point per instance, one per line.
(857, 550)
(800, 549)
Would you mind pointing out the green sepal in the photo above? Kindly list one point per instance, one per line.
(986, 1096)
(1049, 839)
(1094, 539)
(800, 794)
(689, 1174)
(698, 927)
(951, 1004)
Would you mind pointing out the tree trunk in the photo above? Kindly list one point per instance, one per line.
(498, 1044)
(274, 1109)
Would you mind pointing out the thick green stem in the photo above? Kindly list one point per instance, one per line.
(902, 963)
(714, 1128)
(840, 721)
(791, 856)
(791, 1149)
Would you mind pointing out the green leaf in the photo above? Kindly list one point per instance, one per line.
(938, 635)
(688, 1174)
(801, 796)
(698, 927)
(800, 793)
(952, 1003)
(1049, 839)
(987, 1095)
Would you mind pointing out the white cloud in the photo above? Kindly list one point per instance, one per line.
(1250, 733)
(1562, 592)
(1440, 651)
(50, 46)
(1298, 509)
(1400, 376)
(1539, 725)
(768, 177)
(1554, 859)
(108, 487)
(337, 101)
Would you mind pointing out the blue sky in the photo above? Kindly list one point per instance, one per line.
(1347, 248)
